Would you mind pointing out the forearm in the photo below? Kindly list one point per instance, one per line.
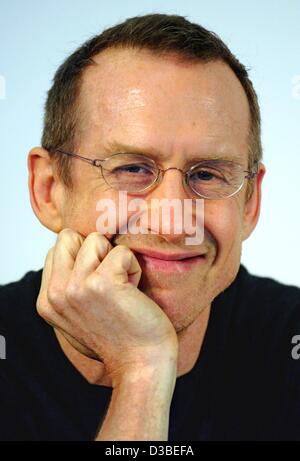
(140, 405)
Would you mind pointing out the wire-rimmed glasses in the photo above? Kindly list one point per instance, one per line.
(137, 173)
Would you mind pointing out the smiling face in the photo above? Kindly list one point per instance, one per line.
(177, 113)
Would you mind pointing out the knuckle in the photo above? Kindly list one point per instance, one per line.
(40, 303)
(44, 310)
(74, 292)
(96, 235)
(68, 234)
(123, 249)
(56, 298)
(123, 256)
(96, 284)
(96, 238)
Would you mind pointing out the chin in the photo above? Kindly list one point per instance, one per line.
(183, 304)
(180, 310)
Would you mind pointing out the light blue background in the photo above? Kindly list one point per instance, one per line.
(36, 36)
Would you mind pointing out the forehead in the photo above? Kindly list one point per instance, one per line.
(136, 97)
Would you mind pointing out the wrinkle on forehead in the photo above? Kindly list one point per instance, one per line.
(143, 94)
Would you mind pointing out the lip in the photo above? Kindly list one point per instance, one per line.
(169, 262)
(167, 256)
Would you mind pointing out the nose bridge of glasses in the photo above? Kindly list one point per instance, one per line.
(184, 176)
(172, 168)
(163, 171)
(169, 185)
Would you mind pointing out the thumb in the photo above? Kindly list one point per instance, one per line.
(122, 265)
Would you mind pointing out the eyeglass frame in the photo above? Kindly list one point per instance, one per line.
(160, 172)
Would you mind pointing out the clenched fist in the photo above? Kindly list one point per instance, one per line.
(89, 293)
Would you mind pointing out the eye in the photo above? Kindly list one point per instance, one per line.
(135, 169)
(202, 175)
(207, 175)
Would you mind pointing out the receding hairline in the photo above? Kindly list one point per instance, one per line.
(175, 58)
(160, 34)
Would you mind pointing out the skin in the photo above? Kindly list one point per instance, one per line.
(176, 111)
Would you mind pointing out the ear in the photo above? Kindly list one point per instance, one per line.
(46, 190)
(253, 204)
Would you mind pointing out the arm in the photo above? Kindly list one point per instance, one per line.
(140, 405)
(90, 294)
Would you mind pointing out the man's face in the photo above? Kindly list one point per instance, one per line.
(176, 112)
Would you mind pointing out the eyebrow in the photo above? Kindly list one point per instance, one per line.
(115, 147)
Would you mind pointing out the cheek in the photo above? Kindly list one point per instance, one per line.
(82, 219)
(81, 212)
(92, 211)
(223, 223)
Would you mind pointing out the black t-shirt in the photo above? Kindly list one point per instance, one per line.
(244, 386)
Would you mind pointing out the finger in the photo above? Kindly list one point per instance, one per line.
(43, 305)
(65, 251)
(90, 255)
(122, 265)
(42, 297)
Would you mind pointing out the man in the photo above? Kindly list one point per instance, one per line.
(142, 336)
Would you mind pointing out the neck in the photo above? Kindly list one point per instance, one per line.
(190, 343)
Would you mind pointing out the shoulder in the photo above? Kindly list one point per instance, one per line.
(265, 296)
(266, 313)
(17, 299)
(26, 333)
(29, 284)
(260, 370)
(266, 289)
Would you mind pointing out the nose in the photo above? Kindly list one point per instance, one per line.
(171, 185)
(166, 205)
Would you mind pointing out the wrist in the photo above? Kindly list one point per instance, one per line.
(148, 374)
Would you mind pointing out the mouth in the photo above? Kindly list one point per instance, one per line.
(167, 261)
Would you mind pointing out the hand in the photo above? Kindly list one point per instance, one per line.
(89, 293)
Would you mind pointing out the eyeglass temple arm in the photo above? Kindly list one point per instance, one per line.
(96, 162)
(253, 173)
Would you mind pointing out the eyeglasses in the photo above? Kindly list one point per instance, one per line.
(136, 173)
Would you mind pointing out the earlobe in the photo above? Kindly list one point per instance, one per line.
(44, 189)
(253, 205)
